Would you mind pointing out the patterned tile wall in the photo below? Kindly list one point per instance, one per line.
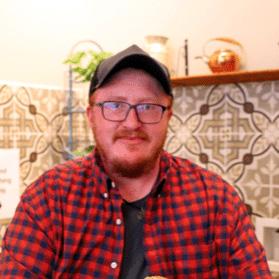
(232, 129)
(36, 121)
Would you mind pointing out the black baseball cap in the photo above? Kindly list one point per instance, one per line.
(131, 57)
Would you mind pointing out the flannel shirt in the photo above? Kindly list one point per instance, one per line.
(69, 225)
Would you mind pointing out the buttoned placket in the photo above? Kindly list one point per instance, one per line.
(113, 197)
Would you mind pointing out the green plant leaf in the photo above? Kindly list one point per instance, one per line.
(84, 151)
(84, 63)
(75, 58)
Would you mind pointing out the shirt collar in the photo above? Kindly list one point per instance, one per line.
(161, 186)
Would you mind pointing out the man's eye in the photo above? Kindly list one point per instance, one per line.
(113, 105)
(146, 107)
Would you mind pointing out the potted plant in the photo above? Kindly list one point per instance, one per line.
(82, 65)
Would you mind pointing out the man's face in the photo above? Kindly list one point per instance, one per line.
(129, 148)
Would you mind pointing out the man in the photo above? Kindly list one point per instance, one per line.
(130, 209)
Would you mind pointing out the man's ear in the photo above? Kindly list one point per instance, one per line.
(170, 112)
(90, 115)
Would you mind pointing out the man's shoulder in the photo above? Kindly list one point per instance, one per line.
(198, 176)
(74, 166)
(61, 175)
(201, 184)
(184, 165)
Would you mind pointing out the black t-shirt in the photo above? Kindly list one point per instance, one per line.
(134, 264)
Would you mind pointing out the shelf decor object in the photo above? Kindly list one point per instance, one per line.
(223, 59)
(156, 47)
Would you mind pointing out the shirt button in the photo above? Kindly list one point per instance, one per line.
(113, 184)
(113, 265)
(118, 221)
(105, 195)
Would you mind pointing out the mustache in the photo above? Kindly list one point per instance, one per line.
(126, 133)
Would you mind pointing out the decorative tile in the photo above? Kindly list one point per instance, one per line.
(261, 184)
(264, 96)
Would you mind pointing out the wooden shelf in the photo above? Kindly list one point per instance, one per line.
(230, 77)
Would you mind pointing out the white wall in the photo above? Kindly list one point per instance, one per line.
(37, 35)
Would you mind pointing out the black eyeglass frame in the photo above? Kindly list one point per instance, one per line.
(101, 105)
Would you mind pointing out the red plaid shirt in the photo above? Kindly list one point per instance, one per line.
(69, 225)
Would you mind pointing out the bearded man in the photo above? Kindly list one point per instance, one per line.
(130, 209)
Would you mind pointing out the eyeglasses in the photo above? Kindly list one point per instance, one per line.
(118, 111)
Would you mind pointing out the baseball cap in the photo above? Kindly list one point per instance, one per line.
(131, 57)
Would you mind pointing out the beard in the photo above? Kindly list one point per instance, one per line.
(123, 165)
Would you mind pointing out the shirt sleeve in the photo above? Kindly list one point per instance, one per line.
(27, 248)
(247, 257)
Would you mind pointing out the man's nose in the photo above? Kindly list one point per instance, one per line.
(132, 120)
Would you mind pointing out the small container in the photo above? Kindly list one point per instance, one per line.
(157, 48)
